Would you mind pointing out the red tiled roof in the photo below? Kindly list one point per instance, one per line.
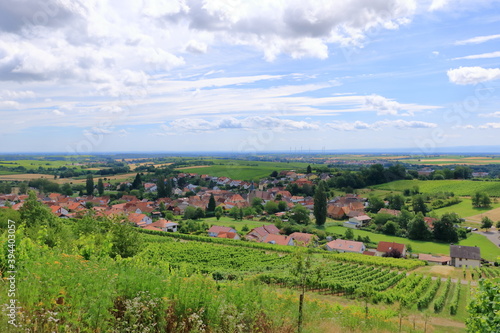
(388, 246)
(345, 245)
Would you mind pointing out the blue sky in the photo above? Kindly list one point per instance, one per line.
(248, 76)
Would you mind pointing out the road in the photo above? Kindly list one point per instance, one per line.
(493, 235)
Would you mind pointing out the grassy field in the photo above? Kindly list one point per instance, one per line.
(459, 187)
(80, 180)
(243, 170)
(488, 250)
(35, 164)
(465, 209)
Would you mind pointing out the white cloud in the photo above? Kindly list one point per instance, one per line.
(477, 40)
(438, 4)
(383, 106)
(473, 75)
(481, 56)
(492, 115)
(490, 126)
(359, 125)
(58, 113)
(248, 123)
(196, 47)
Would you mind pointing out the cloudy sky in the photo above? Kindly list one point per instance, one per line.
(248, 75)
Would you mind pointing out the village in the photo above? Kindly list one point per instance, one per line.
(239, 197)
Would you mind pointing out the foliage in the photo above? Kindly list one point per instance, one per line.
(300, 214)
(418, 228)
(100, 187)
(480, 199)
(486, 223)
(484, 309)
(320, 203)
(444, 229)
(89, 184)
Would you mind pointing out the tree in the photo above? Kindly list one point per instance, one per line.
(257, 204)
(34, 213)
(190, 213)
(308, 170)
(23, 188)
(300, 214)
(484, 308)
(418, 228)
(126, 241)
(66, 189)
(218, 212)
(274, 174)
(486, 223)
(100, 187)
(498, 225)
(320, 204)
(480, 199)
(271, 207)
(199, 213)
(282, 206)
(393, 253)
(234, 212)
(418, 204)
(89, 184)
(349, 234)
(137, 182)
(444, 229)
(396, 201)
(390, 228)
(211, 204)
(375, 204)
(161, 188)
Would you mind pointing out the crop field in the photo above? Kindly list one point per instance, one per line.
(242, 170)
(454, 160)
(459, 187)
(35, 164)
(79, 180)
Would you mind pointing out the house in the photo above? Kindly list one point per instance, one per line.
(468, 256)
(59, 211)
(139, 219)
(230, 235)
(150, 187)
(165, 225)
(336, 212)
(301, 238)
(278, 239)
(341, 245)
(352, 224)
(384, 247)
(362, 219)
(434, 260)
(215, 230)
(258, 234)
(430, 222)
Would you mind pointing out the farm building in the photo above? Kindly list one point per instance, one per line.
(468, 256)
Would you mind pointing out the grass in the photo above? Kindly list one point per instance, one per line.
(243, 170)
(35, 164)
(465, 209)
(459, 187)
(489, 251)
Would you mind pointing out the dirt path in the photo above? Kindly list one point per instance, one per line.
(493, 235)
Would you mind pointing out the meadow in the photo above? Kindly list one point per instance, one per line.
(458, 187)
(243, 170)
(465, 209)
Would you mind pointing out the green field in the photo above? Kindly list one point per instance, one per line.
(229, 222)
(488, 250)
(35, 164)
(243, 170)
(459, 187)
(465, 209)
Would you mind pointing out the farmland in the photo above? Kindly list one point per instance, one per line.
(243, 170)
(459, 187)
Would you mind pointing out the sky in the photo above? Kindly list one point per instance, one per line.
(248, 76)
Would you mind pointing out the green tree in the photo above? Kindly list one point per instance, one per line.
(89, 184)
(23, 188)
(100, 187)
(126, 241)
(218, 212)
(444, 229)
(396, 201)
(234, 212)
(486, 223)
(375, 204)
(418, 228)
(190, 213)
(274, 174)
(161, 188)
(34, 213)
(418, 204)
(320, 204)
(199, 213)
(349, 234)
(211, 204)
(257, 204)
(66, 189)
(282, 206)
(271, 207)
(308, 170)
(300, 214)
(137, 183)
(498, 225)
(484, 308)
(390, 228)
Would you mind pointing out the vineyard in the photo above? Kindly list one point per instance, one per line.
(459, 187)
